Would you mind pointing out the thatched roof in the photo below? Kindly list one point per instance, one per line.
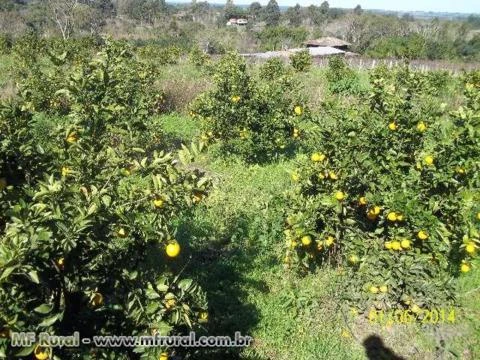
(327, 41)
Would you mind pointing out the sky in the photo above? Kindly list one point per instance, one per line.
(461, 6)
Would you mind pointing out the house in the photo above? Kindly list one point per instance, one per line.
(237, 22)
(328, 42)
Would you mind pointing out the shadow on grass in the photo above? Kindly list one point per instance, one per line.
(220, 268)
(375, 349)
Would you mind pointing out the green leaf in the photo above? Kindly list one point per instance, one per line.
(25, 351)
(33, 275)
(50, 321)
(40, 149)
(6, 273)
(185, 284)
(43, 309)
(162, 287)
(163, 328)
(106, 200)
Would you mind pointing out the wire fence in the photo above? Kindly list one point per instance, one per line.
(421, 65)
(364, 63)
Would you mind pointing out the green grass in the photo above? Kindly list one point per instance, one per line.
(179, 126)
(469, 317)
(236, 240)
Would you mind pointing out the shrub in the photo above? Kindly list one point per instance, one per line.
(398, 213)
(277, 37)
(90, 203)
(160, 55)
(341, 79)
(413, 46)
(198, 57)
(248, 116)
(271, 69)
(301, 60)
(5, 44)
(437, 82)
(49, 70)
(214, 47)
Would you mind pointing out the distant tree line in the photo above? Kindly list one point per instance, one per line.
(269, 27)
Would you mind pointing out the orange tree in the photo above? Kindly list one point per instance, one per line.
(389, 192)
(89, 207)
(254, 116)
(301, 60)
(341, 79)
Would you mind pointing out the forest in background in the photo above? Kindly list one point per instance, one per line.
(269, 27)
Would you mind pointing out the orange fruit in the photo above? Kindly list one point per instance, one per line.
(470, 247)
(422, 235)
(306, 240)
(421, 126)
(405, 244)
(158, 203)
(429, 160)
(396, 245)
(392, 126)
(330, 240)
(42, 353)
(392, 216)
(97, 300)
(465, 267)
(317, 157)
(173, 249)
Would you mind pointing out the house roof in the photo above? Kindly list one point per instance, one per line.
(327, 41)
(316, 51)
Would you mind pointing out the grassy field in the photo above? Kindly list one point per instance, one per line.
(292, 318)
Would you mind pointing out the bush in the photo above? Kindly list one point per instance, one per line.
(214, 47)
(301, 60)
(341, 79)
(198, 57)
(90, 203)
(49, 69)
(412, 46)
(277, 37)
(160, 55)
(249, 116)
(400, 213)
(272, 68)
(5, 44)
(437, 82)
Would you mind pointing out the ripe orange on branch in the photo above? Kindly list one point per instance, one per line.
(173, 249)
